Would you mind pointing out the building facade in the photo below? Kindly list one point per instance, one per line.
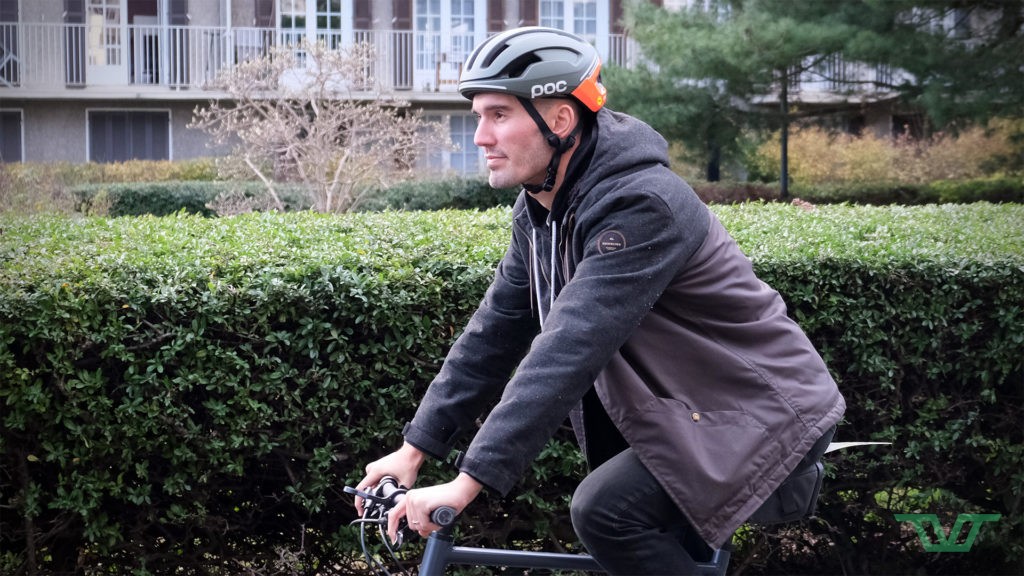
(112, 80)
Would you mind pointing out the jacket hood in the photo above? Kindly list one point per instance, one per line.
(624, 144)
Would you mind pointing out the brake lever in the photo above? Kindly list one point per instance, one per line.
(367, 496)
(383, 504)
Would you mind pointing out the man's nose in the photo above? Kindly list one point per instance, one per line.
(483, 136)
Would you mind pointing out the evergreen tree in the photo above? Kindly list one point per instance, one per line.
(959, 61)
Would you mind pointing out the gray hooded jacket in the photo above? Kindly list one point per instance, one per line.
(646, 301)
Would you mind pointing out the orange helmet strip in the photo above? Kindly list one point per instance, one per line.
(591, 92)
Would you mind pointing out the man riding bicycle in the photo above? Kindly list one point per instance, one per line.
(623, 304)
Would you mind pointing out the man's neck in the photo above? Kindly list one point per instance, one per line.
(547, 199)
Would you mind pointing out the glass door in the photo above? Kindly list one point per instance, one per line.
(585, 18)
(445, 35)
(292, 22)
(106, 43)
(329, 17)
(324, 21)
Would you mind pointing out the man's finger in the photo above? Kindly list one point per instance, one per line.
(394, 517)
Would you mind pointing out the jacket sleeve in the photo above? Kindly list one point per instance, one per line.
(631, 249)
(480, 362)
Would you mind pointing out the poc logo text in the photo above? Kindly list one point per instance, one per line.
(548, 89)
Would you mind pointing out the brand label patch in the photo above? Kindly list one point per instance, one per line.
(610, 241)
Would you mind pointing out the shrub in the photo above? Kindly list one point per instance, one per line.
(817, 156)
(185, 393)
(910, 310)
(450, 193)
(44, 187)
(477, 194)
(995, 189)
(998, 189)
(732, 192)
(195, 197)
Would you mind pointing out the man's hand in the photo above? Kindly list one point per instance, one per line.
(417, 504)
(403, 464)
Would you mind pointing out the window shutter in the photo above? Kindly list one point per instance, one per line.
(265, 14)
(178, 12)
(616, 10)
(8, 10)
(528, 12)
(74, 11)
(403, 14)
(495, 15)
(363, 16)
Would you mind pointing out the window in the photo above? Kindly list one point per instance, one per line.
(293, 21)
(328, 22)
(105, 44)
(322, 20)
(120, 135)
(464, 159)
(428, 37)
(462, 28)
(445, 35)
(584, 19)
(552, 14)
(10, 136)
(581, 17)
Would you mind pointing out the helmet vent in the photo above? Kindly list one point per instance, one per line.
(516, 68)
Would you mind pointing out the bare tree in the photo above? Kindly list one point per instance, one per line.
(313, 115)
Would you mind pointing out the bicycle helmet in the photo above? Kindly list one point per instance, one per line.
(537, 62)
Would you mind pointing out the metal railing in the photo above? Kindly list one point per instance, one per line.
(54, 57)
(41, 56)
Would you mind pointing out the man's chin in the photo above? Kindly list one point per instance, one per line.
(497, 181)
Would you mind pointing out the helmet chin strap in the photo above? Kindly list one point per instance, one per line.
(561, 145)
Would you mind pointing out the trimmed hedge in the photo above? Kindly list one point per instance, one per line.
(195, 197)
(189, 393)
(997, 189)
(164, 198)
(450, 193)
(27, 187)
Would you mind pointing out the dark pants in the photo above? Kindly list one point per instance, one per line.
(628, 523)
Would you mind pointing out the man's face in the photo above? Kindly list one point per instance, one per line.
(515, 150)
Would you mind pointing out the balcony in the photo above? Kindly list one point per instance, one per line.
(39, 60)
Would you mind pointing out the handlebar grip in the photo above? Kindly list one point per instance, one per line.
(443, 516)
(389, 489)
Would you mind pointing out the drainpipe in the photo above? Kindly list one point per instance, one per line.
(229, 32)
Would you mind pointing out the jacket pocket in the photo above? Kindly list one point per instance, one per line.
(724, 443)
(713, 449)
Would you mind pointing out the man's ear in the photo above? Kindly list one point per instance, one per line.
(565, 118)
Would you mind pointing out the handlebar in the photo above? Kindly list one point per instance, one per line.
(388, 493)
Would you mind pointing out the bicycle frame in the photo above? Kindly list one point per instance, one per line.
(440, 552)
